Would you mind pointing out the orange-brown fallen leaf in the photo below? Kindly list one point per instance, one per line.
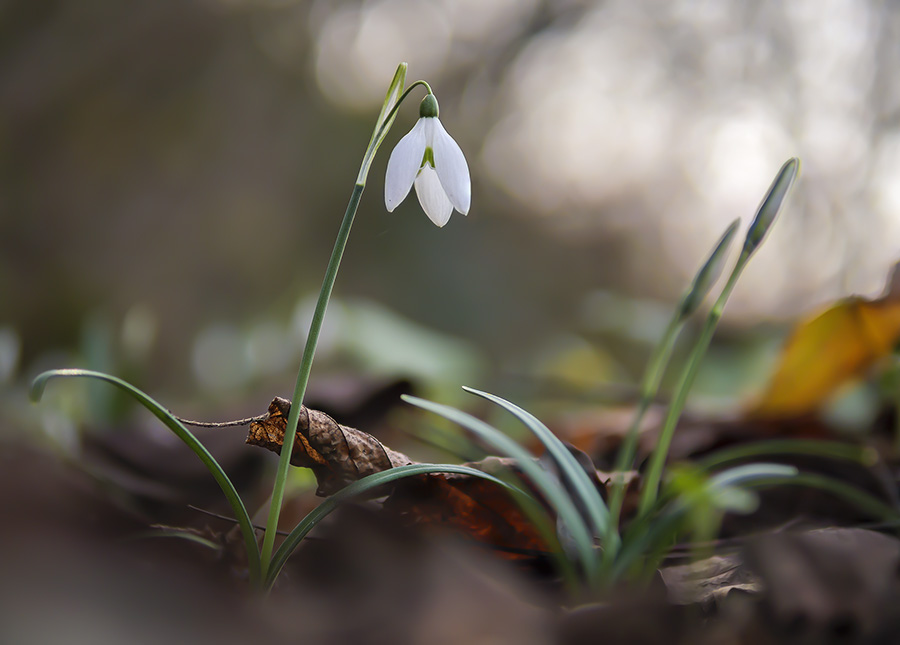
(827, 350)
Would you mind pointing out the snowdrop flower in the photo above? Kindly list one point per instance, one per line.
(429, 158)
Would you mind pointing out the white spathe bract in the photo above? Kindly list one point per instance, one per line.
(441, 187)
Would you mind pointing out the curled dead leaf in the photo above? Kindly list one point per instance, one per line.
(338, 455)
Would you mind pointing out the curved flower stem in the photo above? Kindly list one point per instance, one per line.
(309, 351)
(382, 125)
(381, 131)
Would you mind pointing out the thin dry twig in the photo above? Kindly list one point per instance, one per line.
(221, 424)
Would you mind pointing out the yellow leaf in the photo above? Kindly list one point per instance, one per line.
(827, 350)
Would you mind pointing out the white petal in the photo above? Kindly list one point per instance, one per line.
(404, 164)
(432, 196)
(452, 169)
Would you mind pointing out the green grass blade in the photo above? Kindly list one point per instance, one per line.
(807, 447)
(357, 488)
(161, 413)
(590, 497)
(856, 496)
(647, 532)
(646, 536)
(743, 475)
(552, 490)
(650, 535)
(181, 534)
(728, 490)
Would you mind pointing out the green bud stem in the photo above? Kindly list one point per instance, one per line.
(650, 489)
(659, 360)
(762, 222)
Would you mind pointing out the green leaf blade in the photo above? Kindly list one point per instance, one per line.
(240, 511)
(568, 465)
(548, 486)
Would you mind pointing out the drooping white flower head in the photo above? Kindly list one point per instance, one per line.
(429, 158)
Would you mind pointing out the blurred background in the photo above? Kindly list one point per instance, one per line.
(173, 174)
(172, 177)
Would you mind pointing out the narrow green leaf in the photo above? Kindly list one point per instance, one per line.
(590, 497)
(555, 494)
(731, 499)
(742, 475)
(861, 499)
(181, 534)
(647, 536)
(650, 535)
(812, 447)
(161, 413)
(728, 489)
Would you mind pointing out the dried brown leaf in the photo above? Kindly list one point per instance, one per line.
(829, 585)
(338, 455)
(708, 581)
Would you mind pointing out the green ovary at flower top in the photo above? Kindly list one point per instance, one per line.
(430, 159)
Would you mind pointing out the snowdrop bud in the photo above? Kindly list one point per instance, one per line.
(771, 205)
(708, 274)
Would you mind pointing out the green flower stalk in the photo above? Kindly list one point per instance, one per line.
(438, 155)
(762, 222)
(691, 300)
(382, 125)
